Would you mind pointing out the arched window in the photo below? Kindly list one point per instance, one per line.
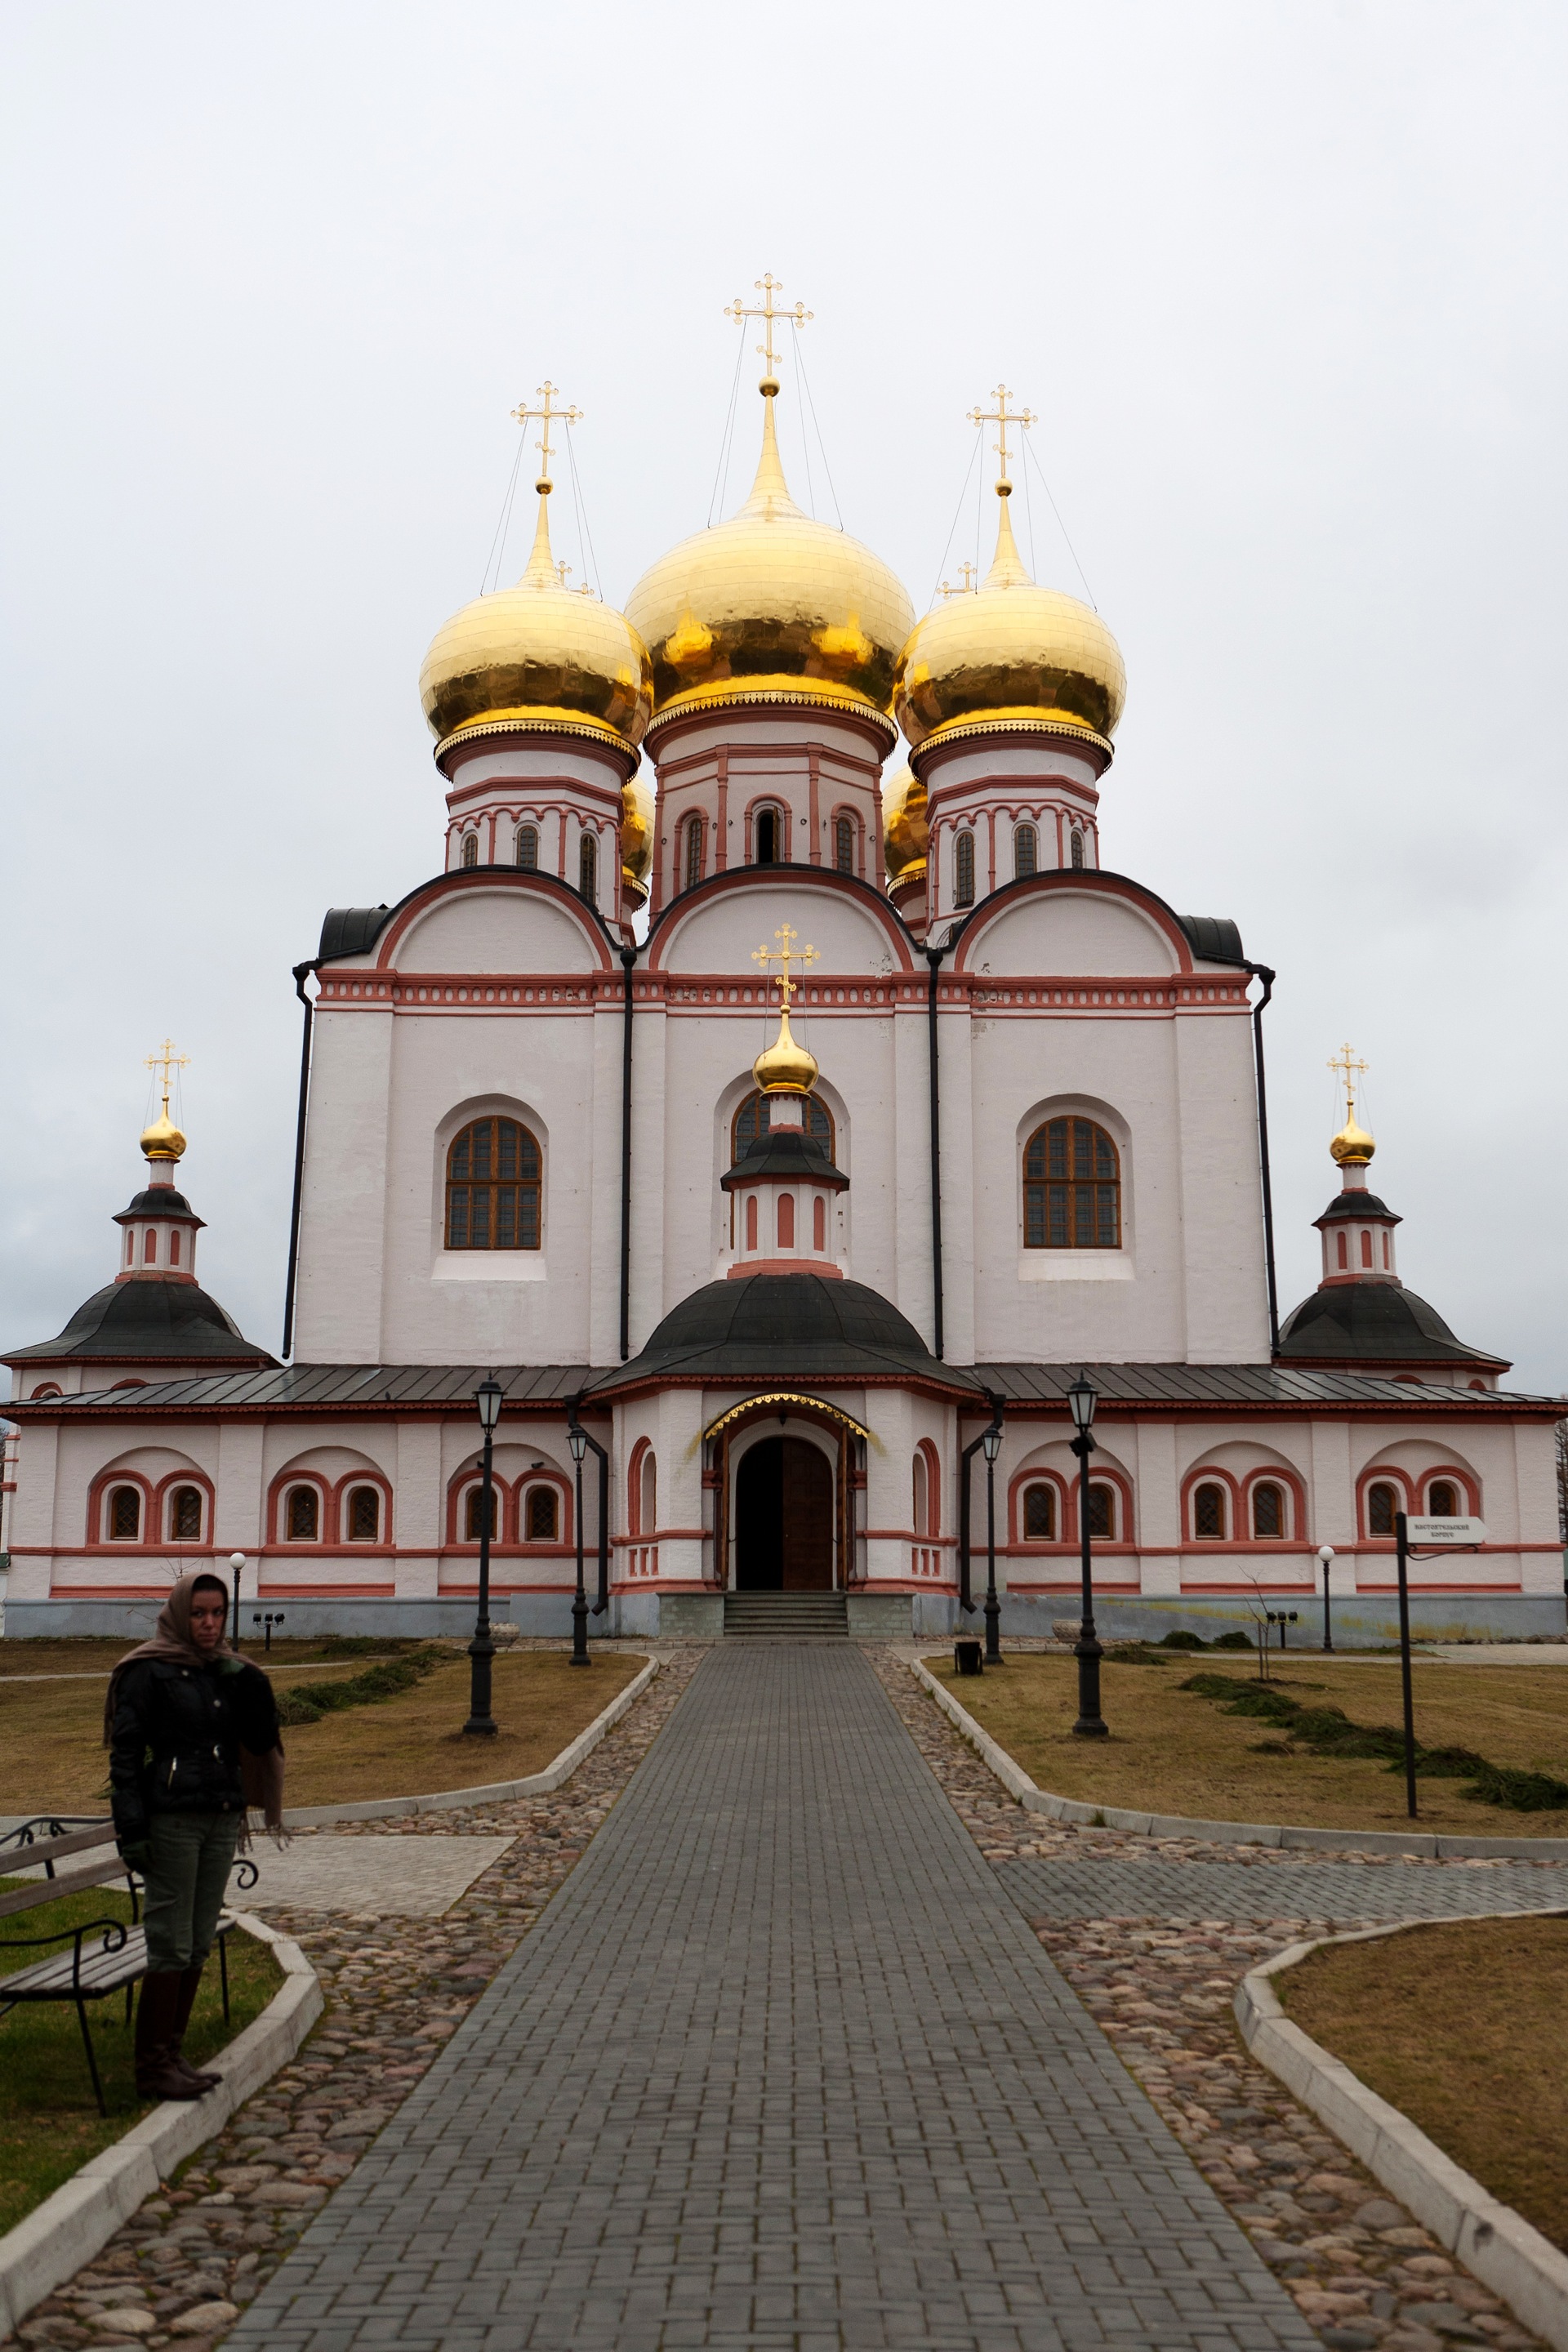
(186, 1515)
(1072, 1187)
(1267, 1510)
(766, 835)
(963, 869)
(1102, 1512)
(751, 1221)
(694, 833)
(470, 849)
(647, 1500)
(1041, 1514)
(150, 1247)
(302, 1514)
(364, 1515)
(525, 849)
(1208, 1512)
(543, 1516)
(1077, 852)
(52, 1388)
(474, 1513)
(1366, 1249)
(588, 869)
(844, 844)
(1381, 1503)
(1344, 1253)
(921, 1478)
(787, 1220)
(751, 1120)
(1025, 849)
(493, 1187)
(819, 1224)
(174, 1247)
(125, 1514)
(1443, 1500)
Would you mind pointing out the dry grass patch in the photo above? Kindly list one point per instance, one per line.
(50, 1755)
(1464, 2028)
(1171, 1751)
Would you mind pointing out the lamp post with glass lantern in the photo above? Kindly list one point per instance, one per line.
(1326, 1561)
(481, 1649)
(578, 1439)
(1082, 1398)
(991, 1446)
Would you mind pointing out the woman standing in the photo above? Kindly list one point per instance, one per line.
(192, 1732)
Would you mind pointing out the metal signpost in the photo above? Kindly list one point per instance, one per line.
(1458, 1534)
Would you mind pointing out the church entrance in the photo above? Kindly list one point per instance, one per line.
(783, 1517)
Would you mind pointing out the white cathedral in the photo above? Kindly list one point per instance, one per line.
(781, 1273)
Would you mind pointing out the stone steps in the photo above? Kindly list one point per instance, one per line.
(793, 1616)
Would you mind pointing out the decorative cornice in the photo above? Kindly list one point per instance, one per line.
(708, 701)
(959, 730)
(587, 730)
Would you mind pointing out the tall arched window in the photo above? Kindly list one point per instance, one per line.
(647, 1500)
(1041, 1514)
(963, 869)
(186, 1515)
(694, 832)
(1381, 1503)
(1267, 1510)
(150, 1246)
(1102, 1512)
(125, 1514)
(470, 849)
(766, 836)
(922, 1495)
(1077, 852)
(751, 1120)
(174, 1247)
(784, 1218)
(1025, 849)
(474, 1513)
(526, 847)
(364, 1515)
(1208, 1512)
(302, 1516)
(493, 1187)
(844, 844)
(1072, 1187)
(588, 868)
(541, 1515)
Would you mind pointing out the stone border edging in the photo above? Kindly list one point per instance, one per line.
(1504, 2250)
(493, 1792)
(1018, 1783)
(49, 2244)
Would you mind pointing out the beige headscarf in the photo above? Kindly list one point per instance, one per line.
(261, 1776)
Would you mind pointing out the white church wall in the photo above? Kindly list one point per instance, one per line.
(1066, 933)
(1214, 1123)
(342, 1209)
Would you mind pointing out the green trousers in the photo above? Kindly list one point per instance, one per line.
(189, 1860)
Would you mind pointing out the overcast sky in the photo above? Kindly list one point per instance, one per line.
(1282, 280)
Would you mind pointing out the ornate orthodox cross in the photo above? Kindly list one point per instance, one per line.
(1348, 1069)
(768, 311)
(1003, 415)
(967, 588)
(787, 954)
(164, 1060)
(549, 413)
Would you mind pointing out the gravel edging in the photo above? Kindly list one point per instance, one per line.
(537, 1784)
(1490, 2238)
(51, 2243)
(1018, 1783)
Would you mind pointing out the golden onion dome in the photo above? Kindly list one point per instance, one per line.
(1012, 655)
(772, 606)
(636, 834)
(905, 833)
(784, 1067)
(162, 1139)
(1352, 1147)
(539, 655)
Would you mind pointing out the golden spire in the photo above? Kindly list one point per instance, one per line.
(1352, 1147)
(541, 571)
(162, 1139)
(784, 1067)
(767, 286)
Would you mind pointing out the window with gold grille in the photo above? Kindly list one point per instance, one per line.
(493, 1187)
(1072, 1187)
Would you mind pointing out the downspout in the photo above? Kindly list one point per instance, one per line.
(933, 958)
(301, 969)
(629, 959)
(1261, 971)
(967, 1456)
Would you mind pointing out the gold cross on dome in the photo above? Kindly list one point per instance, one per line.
(967, 586)
(1348, 1069)
(785, 954)
(768, 311)
(549, 415)
(1003, 415)
(164, 1060)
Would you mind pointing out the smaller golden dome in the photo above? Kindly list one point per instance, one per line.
(637, 835)
(1352, 1147)
(162, 1139)
(905, 833)
(785, 1067)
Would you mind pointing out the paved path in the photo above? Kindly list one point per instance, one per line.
(782, 2066)
(416, 1877)
(1166, 1887)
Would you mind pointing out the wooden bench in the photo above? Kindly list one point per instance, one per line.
(91, 1970)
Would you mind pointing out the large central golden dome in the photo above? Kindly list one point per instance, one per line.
(539, 655)
(771, 605)
(1011, 655)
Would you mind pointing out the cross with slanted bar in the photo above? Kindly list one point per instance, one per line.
(1348, 1069)
(548, 414)
(768, 311)
(787, 954)
(1003, 415)
(164, 1060)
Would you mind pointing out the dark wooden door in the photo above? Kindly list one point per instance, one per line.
(807, 1518)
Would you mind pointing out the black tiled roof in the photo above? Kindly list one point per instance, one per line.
(143, 1321)
(1373, 1323)
(1238, 1384)
(773, 1326)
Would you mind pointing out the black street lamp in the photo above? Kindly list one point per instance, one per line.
(481, 1649)
(1326, 1561)
(991, 1446)
(578, 1439)
(1082, 1398)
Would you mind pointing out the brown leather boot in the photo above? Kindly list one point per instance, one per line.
(190, 1983)
(158, 2076)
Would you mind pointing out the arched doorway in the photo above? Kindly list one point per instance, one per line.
(783, 1517)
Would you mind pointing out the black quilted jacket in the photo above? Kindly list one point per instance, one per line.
(177, 1733)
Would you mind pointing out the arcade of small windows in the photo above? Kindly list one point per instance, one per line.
(1385, 1502)
(540, 1517)
(493, 1187)
(525, 848)
(963, 869)
(1026, 850)
(1041, 1523)
(1072, 1187)
(844, 844)
(751, 1120)
(1212, 1512)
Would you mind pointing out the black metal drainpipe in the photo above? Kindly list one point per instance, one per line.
(629, 959)
(301, 973)
(933, 958)
(1261, 971)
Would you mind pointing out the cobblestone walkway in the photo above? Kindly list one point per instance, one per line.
(782, 2066)
(1170, 1888)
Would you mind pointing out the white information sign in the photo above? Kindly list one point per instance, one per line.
(1445, 1532)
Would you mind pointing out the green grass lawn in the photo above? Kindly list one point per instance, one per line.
(49, 2122)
